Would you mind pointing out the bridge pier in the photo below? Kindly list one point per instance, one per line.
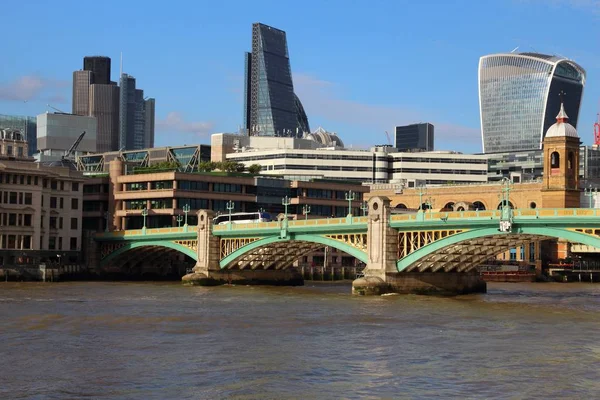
(381, 274)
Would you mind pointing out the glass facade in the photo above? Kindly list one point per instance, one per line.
(519, 98)
(271, 108)
(414, 137)
(26, 125)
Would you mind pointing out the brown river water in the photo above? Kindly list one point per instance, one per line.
(103, 340)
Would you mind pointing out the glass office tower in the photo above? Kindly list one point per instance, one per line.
(270, 106)
(520, 96)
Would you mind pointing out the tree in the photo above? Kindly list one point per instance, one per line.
(254, 169)
(207, 166)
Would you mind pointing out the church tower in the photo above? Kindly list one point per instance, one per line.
(561, 164)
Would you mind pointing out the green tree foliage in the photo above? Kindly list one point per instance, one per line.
(254, 169)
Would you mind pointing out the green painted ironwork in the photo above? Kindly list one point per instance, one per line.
(161, 243)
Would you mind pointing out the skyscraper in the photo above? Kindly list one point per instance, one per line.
(520, 95)
(136, 116)
(94, 94)
(414, 137)
(271, 107)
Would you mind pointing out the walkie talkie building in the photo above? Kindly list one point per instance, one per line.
(520, 96)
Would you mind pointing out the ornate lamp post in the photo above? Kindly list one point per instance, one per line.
(421, 190)
(306, 211)
(591, 194)
(364, 207)
(350, 197)
(144, 214)
(230, 206)
(285, 202)
(186, 210)
(179, 219)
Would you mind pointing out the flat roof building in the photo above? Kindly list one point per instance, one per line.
(414, 137)
(57, 132)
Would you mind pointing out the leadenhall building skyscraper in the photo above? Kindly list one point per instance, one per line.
(271, 108)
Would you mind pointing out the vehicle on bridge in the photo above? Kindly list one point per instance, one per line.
(242, 218)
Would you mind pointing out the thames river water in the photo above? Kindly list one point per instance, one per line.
(167, 341)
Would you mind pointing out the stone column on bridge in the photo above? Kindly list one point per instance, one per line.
(382, 249)
(207, 252)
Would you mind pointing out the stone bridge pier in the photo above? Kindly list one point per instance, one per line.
(381, 274)
(208, 272)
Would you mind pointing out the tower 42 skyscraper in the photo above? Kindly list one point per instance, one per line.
(520, 95)
(271, 108)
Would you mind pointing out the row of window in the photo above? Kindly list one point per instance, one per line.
(59, 202)
(16, 198)
(440, 171)
(331, 194)
(57, 223)
(18, 179)
(185, 185)
(15, 219)
(12, 150)
(19, 242)
(56, 243)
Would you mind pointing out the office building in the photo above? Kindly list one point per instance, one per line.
(136, 116)
(57, 133)
(520, 96)
(95, 95)
(40, 210)
(271, 108)
(414, 137)
(27, 126)
(321, 156)
(100, 68)
(13, 145)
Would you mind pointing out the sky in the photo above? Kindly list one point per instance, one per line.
(359, 67)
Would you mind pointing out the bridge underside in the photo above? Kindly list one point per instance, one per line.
(278, 255)
(467, 255)
(155, 260)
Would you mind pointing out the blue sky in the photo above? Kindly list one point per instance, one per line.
(359, 67)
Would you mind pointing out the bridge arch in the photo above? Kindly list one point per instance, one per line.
(147, 243)
(464, 251)
(313, 242)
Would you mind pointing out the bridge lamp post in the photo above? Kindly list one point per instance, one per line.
(306, 211)
(230, 206)
(144, 214)
(285, 202)
(350, 197)
(179, 219)
(186, 210)
(106, 215)
(422, 190)
(364, 207)
(591, 194)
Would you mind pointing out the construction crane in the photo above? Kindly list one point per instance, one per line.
(56, 109)
(388, 138)
(73, 147)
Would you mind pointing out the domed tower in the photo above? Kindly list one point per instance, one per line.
(561, 164)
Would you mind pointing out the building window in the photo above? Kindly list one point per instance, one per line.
(62, 185)
(60, 243)
(35, 180)
(571, 160)
(75, 187)
(52, 243)
(28, 198)
(136, 186)
(161, 185)
(62, 202)
(22, 179)
(12, 219)
(27, 219)
(555, 160)
(73, 223)
(74, 204)
(54, 185)
(27, 242)
(29, 179)
(13, 198)
(73, 244)
(52, 202)
(52, 222)
(60, 222)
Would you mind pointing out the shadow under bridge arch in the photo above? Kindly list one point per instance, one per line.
(465, 251)
(190, 252)
(279, 253)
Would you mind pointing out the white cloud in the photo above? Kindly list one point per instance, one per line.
(32, 87)
(175, 122)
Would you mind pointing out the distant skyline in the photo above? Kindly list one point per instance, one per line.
(359, 70)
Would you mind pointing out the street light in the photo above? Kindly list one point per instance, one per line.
(286, 202)
(364, 208)
(350, 196)
(591, 194)
(421, 190)
(186, 210)
(306, 211)
(230, 206)
(179, 219)
(144, 214)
